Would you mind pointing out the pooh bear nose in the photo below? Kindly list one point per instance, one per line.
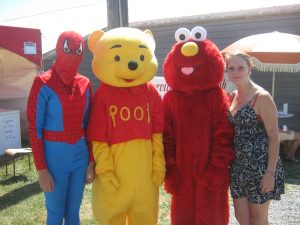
(132, 65)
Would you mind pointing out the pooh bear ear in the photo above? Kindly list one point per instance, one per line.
(93, 38)
(151, 38)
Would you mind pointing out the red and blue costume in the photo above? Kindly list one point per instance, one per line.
(58, 110)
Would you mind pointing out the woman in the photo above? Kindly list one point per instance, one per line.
(57, 111)
(257, 172)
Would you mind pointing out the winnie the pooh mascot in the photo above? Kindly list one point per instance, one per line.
(197, 136)
(125, 127)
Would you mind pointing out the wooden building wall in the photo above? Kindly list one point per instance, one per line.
(224, 29)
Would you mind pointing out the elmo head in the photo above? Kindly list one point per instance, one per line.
(69, 53)
(194, 62)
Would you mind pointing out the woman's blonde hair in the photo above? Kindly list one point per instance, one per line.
(243, 55)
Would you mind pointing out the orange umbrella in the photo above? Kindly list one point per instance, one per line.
(271, 52)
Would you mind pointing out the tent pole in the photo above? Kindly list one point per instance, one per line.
(273, 84)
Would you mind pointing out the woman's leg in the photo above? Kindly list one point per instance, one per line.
(242, 211)
(259, 213)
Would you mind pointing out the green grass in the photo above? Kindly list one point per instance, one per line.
(22, 202)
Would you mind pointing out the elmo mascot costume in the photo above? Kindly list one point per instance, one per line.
(126, 127)
(197, 135)
(57, 111)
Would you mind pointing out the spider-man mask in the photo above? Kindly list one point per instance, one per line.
(69, 53)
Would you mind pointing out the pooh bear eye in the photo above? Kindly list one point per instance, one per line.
(142, 57)
(182, 35)
(198, 34)
(117, 58)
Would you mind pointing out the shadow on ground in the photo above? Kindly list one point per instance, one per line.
(14, 179)
(18, 195)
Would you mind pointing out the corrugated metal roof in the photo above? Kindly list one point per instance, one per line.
(268, 11)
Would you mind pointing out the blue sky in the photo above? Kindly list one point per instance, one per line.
(85, 16)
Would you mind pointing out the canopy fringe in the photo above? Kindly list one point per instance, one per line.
(274, 67)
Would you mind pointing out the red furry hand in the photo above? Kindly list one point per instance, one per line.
(172, 179)
(215, 178)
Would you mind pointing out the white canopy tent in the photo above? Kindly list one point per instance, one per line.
(20, 62)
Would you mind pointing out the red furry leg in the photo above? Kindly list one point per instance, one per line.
(182, 209)
(212, 208)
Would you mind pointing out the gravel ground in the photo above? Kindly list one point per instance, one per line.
(283, 212)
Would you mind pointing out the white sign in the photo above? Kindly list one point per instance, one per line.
(161, 85)
(29, 48)
(163, 88)
(10, 133)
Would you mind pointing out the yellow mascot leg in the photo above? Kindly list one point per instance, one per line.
(105, 206)
(135, 201)
(145, 208)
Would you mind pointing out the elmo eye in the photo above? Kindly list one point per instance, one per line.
(182, 35)
(142, 57)
(117, 58)
(198, 34)
(79, 50)
(66, 47)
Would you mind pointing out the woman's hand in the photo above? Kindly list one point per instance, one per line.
(46, 181)
(90, 172)
(267, 183)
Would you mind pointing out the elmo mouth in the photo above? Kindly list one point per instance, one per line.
(187, 70)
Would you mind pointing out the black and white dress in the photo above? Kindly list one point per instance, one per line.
(251, 157)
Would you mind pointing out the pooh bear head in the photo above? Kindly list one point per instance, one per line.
(123, 57)
(194, 62)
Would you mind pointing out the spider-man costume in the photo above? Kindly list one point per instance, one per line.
(57, 110)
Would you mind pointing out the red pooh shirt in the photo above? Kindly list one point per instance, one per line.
(123, 114)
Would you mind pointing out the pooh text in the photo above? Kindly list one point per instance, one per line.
(127, 114)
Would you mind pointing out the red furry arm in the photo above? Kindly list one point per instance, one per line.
(216, 175)
(172, 175)
(169, 133)
(222, 149)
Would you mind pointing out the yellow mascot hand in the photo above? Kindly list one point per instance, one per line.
(158, 178)
(104, 166)
(158, 160)
(109, 182)
(103, 157)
